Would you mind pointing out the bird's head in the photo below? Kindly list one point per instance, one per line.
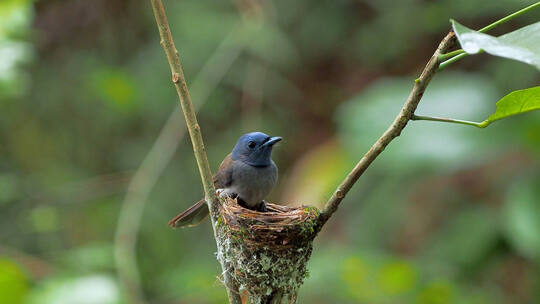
(255, 149)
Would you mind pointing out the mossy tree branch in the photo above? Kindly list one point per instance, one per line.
(194, 132)
(400, 122)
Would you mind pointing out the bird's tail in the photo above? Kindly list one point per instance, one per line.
(191, 217)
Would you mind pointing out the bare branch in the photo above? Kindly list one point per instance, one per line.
(156, 161)
(193, 128)
(392, 132)
(185, 101)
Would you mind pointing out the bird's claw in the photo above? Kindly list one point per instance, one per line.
(262, 207)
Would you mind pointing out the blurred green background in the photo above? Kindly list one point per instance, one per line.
(447, 214)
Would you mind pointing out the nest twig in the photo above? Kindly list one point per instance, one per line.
(281, 227)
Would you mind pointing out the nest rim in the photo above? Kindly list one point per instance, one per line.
(276, 215)
(279, 228)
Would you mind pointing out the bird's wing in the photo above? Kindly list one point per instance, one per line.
(223, 177)
(198, 212)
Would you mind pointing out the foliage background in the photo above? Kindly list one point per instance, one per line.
(448, 214)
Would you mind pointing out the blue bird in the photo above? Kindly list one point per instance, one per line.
(248, 174)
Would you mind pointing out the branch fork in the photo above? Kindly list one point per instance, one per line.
(400, 122)
(276, 263)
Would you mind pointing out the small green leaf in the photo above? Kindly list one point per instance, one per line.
(521, 45)
(517, 102)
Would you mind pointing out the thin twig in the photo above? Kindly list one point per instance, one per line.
(450, 120)
(156, 161)
(450, 54)
(509, 17)
(185, 101)
(392, 132)
(452, 60)
(193, 128)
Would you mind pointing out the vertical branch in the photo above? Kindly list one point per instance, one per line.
(393, 131)
(194, 132)
(185, 101)
(156, 161)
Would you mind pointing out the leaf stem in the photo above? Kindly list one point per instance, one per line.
(509, 17)
(460, 55)
(450, 54)
(450, 120)
(451, 60)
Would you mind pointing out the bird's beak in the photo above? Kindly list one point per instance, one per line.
(272, 141)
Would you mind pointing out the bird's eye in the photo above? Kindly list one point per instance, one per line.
(251, 145)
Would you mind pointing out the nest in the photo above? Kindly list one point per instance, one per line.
(267, 251)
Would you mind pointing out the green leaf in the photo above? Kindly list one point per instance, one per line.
(517, 102)
(521, 45)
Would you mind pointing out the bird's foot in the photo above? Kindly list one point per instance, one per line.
(241, 203)
(262, 207)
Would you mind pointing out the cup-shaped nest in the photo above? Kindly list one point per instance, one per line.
(267, 251)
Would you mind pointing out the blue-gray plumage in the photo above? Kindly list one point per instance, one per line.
(248, 173)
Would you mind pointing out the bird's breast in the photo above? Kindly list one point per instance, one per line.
(252, 184)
